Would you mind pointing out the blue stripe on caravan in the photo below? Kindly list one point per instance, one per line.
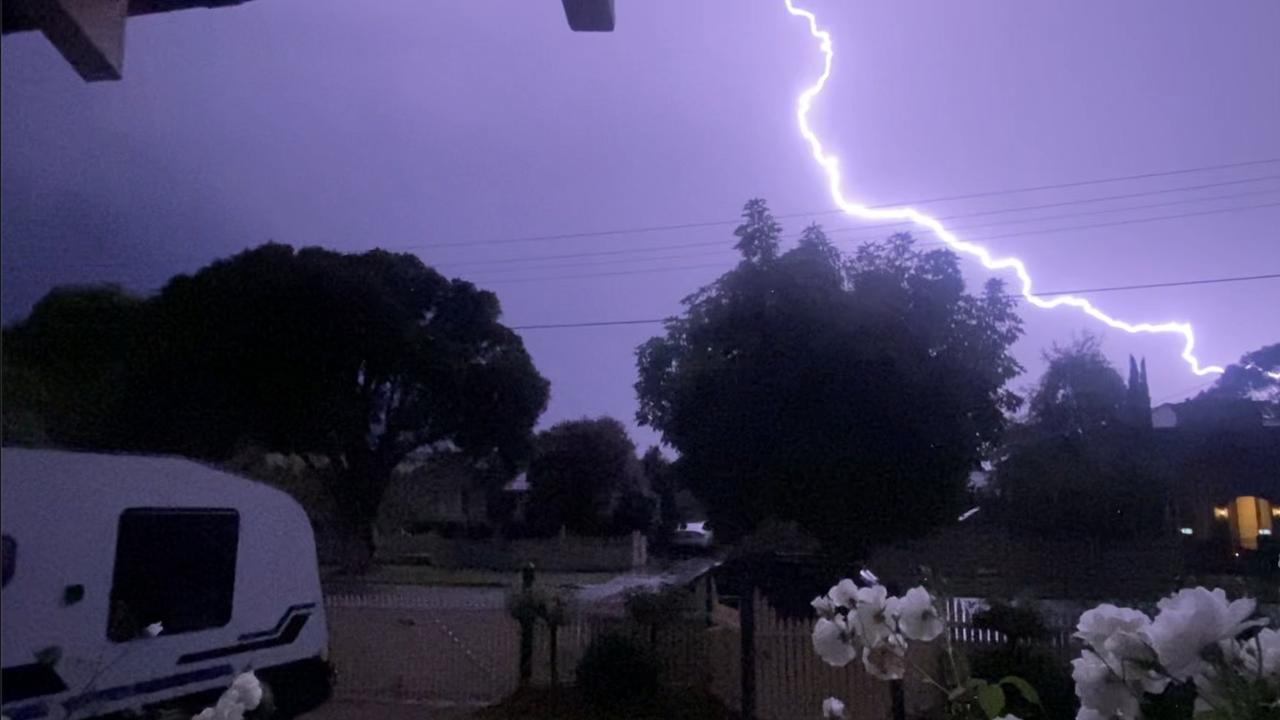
(290, 633)
(280, 624)
(145, 687)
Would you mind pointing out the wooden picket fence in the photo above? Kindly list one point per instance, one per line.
(1060, 619)
(792, 681)
(681, 648)
(406, 648)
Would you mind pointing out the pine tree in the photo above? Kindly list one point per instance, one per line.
(1137, 396)
(1144, 397)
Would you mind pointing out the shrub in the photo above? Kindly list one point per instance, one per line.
(617, 673)
(1050, 676)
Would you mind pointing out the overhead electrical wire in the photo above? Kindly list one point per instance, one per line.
(1046, 293)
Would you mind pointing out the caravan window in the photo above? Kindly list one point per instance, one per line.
(175, 567)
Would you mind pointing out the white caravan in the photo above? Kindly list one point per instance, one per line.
(147, 583)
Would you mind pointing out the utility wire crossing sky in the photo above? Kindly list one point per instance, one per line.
(831, 165)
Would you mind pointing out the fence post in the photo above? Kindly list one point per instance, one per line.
(526, 630)
(747, 621)
(710, 600)
(554, 631)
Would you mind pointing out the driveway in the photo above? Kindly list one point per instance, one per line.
(427, 597)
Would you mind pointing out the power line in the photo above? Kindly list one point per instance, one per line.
(1044, 293)
(1023, 208)
(1185, 391)
(1086, 213)
(998, 211)
(678, 268)
(1118, 223)
(818, 213)
(724, 247)
(927, 243)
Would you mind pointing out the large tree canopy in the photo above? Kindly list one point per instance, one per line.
(361, 358)
(1244, 394)
(1080, 391)
(68, 367)
(580, 469)
(851, 395)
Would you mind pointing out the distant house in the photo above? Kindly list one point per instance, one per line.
(443, 490)
(1224, 462)
(1221, 460)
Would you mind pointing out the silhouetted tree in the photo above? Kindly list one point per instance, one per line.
(661, 479)
(758, 234)
(1080, 391)
(1137, 397)
(360, 358)
(69, 369)
(1084, 465)
(1245, 393)
(579, 470)
(851, 396)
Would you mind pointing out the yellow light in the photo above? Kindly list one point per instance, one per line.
(1220, 513)
(1275, 511)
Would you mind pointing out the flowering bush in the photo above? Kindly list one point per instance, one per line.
(866, 622)
(1199, 641)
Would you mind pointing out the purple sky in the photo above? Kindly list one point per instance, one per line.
(410, 125)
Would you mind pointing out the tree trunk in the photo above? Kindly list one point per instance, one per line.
(358, 490)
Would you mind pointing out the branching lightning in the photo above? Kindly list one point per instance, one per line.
(831, 165)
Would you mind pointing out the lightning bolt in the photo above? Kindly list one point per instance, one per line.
(831, 164)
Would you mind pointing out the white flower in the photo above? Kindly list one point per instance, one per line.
(1088, 713)
(876, 614)
(1190, 621)
(248, 690)
(886, 660)
(824, 607)
(832, 709)
(1259, 656)
(1096, 626)
(228, 707)
(1008, 717)
(833, 641)
(844, 594)
(244, 694)
(1101, 690)
(918, 618)
(153, 629)
(1127, 653)
(1115, 635)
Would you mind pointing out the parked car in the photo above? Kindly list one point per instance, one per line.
(692, 536)
(147, 583)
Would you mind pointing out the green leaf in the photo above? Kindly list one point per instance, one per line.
(991, 700)
(1024, 688)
